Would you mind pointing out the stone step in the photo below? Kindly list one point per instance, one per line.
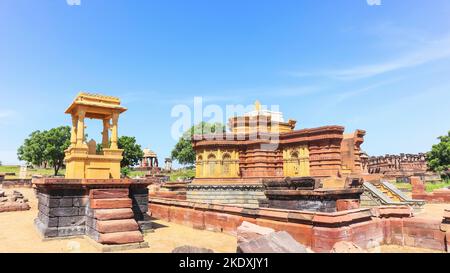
(114, 203)
(117, 238)
(108, 193)
(111, 226)
(113, 214)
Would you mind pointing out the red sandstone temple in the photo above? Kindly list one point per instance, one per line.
(261, 145)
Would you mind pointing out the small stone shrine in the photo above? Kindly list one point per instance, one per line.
(92, 199)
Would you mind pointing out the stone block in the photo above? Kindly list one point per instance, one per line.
(110, 226)
(71, 221)
(92, 233)
(191, 249)
(66, 202)
(82, 211)
(91, 222)
(46, 232)
(346, 247)
(108, 193)
(121, 238)
(48, 221)
(113, 214)
(61, 212)
(145, 225)
(71, 231)
(276, 242)
(116, 203)
(347, 204)
(248, 231)
(80, 201)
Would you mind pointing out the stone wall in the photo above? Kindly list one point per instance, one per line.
(319, 231)
(234, 195)
(111, 212)
(16, 183)
(62, 212)
(437, 196)
(397, 165)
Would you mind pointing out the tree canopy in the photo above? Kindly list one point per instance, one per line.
(46, 147)
(183, 151)
(439, 156)
(132, 153)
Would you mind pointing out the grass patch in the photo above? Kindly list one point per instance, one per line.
(184, 173)
(402, 186)
(429, 187)
(30, 172)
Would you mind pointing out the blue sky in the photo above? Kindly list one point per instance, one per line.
(382, 68)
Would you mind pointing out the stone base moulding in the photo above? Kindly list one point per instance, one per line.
(389, 225)
(110, 211)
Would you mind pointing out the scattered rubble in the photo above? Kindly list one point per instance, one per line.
(275, 242)
(248, 231)
(13, 202)
(191, 249)
(346, 247)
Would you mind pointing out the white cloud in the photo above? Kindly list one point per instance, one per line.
(73, 2)
(6, 114)
(374, 2)
(429, 52)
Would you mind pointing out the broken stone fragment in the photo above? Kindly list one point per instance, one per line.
(248, 231)
(275, 242)
(346, 247)
(191, 249)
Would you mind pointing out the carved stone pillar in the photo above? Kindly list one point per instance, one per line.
(105, 133)
(80, 128)
(73, 131)
(114, 133)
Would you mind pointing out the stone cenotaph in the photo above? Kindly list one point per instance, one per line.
(93, 199)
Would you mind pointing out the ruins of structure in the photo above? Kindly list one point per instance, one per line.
(149, 161)
(230, 168)
(13, 202)
(92, 199)
(393, 166)
(308, 194)
(82, 159)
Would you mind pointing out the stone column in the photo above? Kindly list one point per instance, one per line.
(80, 128)
(105, 133)
(73, 131)
(114, 134)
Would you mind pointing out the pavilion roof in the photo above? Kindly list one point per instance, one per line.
(96, 104)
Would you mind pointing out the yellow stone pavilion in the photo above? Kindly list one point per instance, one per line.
(82, 159)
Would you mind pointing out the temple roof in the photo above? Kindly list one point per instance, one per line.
(95, 105)
(149, 153)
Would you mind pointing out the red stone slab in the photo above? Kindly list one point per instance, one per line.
(117, 238)
(116, 203)
(108, 193)
(111, 226)
(113, 214)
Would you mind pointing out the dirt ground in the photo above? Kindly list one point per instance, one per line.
(18, 234)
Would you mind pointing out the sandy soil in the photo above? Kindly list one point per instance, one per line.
(18, 234)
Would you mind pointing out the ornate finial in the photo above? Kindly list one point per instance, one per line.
(257, 105)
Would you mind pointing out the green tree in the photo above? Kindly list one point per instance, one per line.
(183, 151)
(132, 153)
(439, 156)
(46, 146)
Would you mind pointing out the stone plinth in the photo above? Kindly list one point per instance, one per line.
(305, 193)
(232, 194)
(110, 211)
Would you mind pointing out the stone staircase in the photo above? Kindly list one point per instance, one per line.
(110, 218)
(384, 193)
